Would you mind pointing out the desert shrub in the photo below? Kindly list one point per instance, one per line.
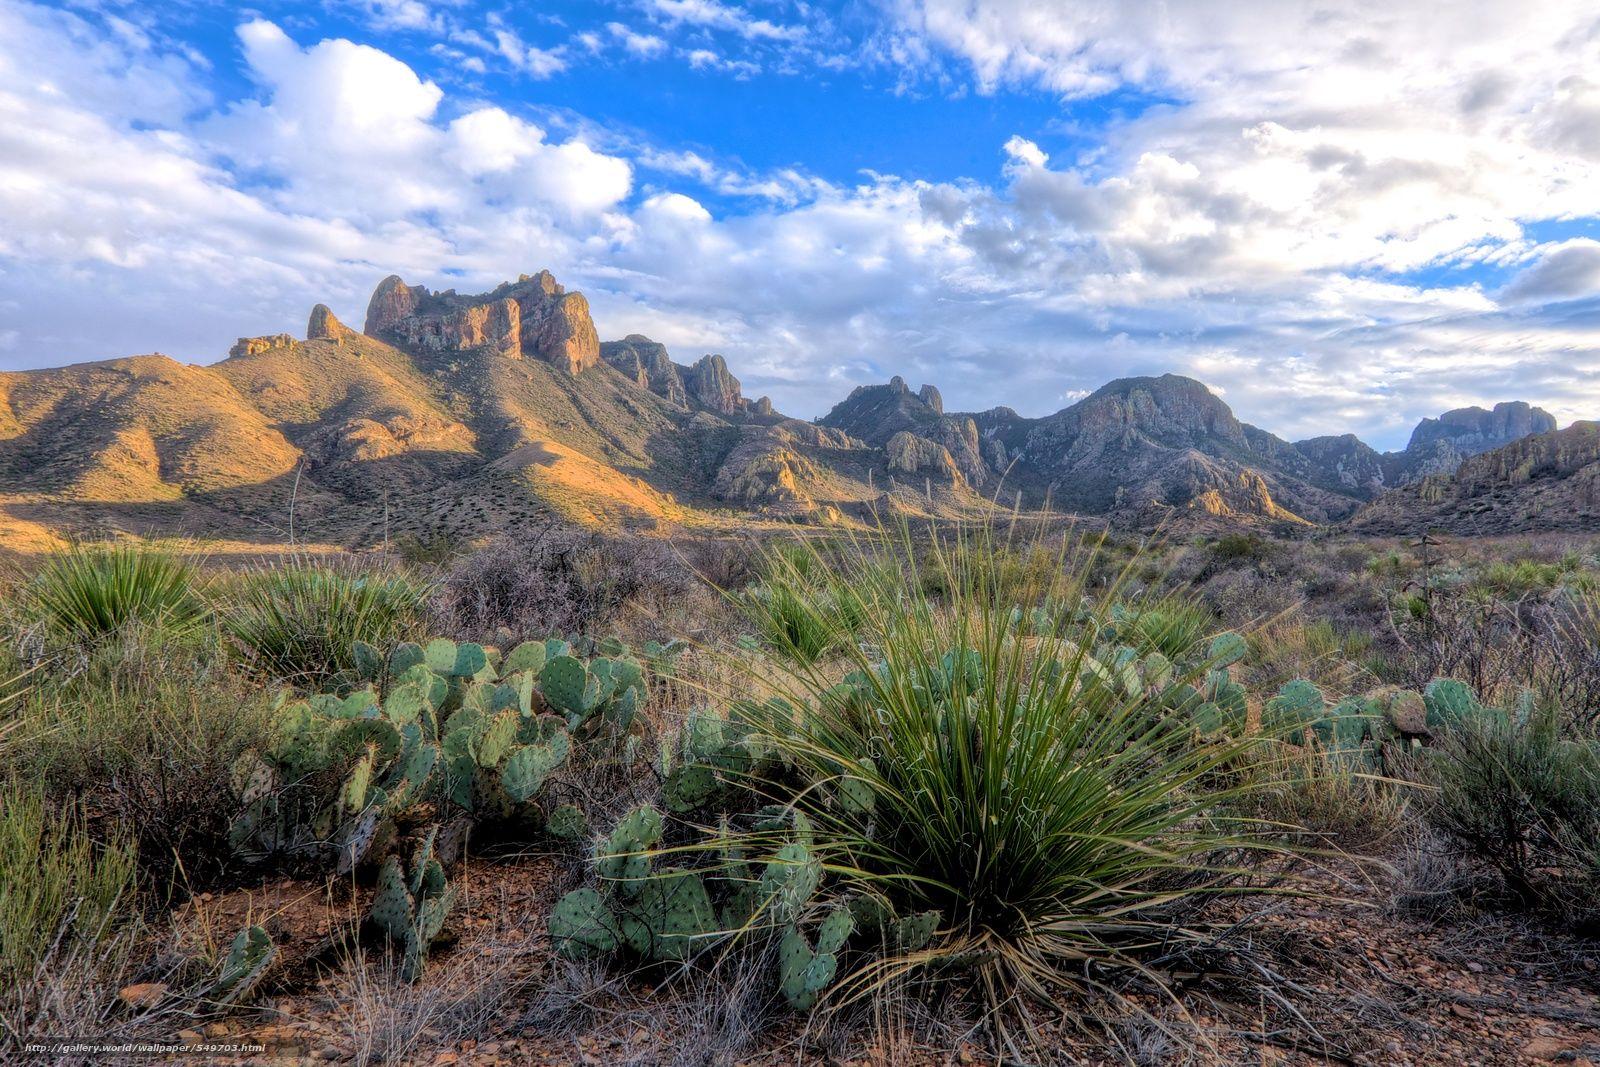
(299, 621)
(55, 881)
(150, 757)
(1330, 794)
(1055, 822)
(555, 580)
(1523, 799)
(800, 609)
(87, 593)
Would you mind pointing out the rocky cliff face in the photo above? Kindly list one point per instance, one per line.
(709, 382)
(646, 363)
(878, 413)
(1438, 446)
(1344, 463)
(1166, 442)
(1547, 481)
(324, 325)
(533, 317)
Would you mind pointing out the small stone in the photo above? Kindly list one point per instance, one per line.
(143, 994)
(1475, 967)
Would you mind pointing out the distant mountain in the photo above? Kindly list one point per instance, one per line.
(469, 414)
(1538, 482)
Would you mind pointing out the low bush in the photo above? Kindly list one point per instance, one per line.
(90, 592)
(56, 882)
(1521, 798)
(151, 758)
(555, 580)
(1042, 805)
(299, 621)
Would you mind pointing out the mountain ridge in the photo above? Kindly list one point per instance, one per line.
(474, 413)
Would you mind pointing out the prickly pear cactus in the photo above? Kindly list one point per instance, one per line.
(249, 957)
(1297, 706)
(803, 972)
(412, 910)
(582, 925)
(1227, 648)
(567, 822)
(1449, 703)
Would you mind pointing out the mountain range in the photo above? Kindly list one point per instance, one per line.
(464, 415)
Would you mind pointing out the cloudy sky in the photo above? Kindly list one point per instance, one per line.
(1341, 215)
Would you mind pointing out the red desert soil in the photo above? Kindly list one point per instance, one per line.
(1379, 989)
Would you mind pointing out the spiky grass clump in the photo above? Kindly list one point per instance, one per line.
(90, 592)
(802, 610)
(299, 621)
(1060, 826)
(55, 882)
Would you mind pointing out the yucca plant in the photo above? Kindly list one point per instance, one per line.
(801, 611)
(89, 592)
(1059, 825)
(299, 620)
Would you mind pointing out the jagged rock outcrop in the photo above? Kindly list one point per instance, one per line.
(325, 325)
(762, 406)
(1344, 462)
(647, 363)
(1165, 441)
(249, 346)
(909, 454)
(533, 316)
(709, 382)
(1548, 481)
(1438, 446)
(876, 413)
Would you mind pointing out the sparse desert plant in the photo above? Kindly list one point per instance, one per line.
(554, 579)
(1520, 795)
(1029, 789)
(151, 757)
(800, 609)
(89, 592)
(55, 881)
(299, 621)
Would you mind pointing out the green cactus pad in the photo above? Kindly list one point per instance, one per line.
(249, 956)
(563, 682)
(835, 929)
(1449, 703)
(406, 655)
(391, 901)
(527, 768)
(689, 787)
(912, 933)
(1227, 648)
(789, 879)
(529, 656)
(499, 733)
(567, 822)
(368, 661)
(671, 910)
(802, 973)
(581, 926)
(440, 656)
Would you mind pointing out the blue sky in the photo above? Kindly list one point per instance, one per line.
(1340, 214)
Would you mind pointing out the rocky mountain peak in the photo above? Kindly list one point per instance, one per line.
(646, 363)
(710, 382)
(325, 325)
(533, 316)
(1479, 429)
